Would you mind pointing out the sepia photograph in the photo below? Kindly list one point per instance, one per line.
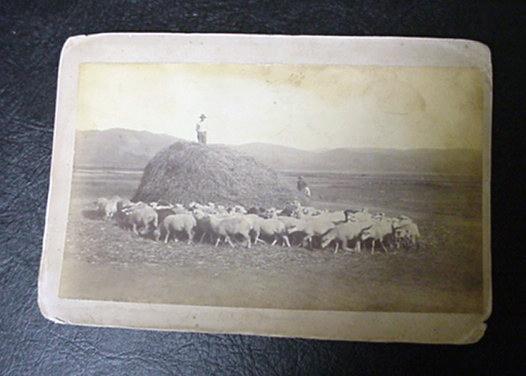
(283, 186)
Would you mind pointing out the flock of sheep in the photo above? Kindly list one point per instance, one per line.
(293, 224)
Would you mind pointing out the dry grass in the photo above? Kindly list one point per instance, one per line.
(188, 171)
(105, 262)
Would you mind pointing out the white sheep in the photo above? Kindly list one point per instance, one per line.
(312, 227)
(272, 227)
(357, 215)
(289, 222)
(333, 216)
(344, 233)
(161, 205)
(380, 232)
(223, 226)
(140, 218)
(179, 223)
(239, 209)
(107, 207)
(406, 231)
(230, 226)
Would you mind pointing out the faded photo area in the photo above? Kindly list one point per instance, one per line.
(278, 186)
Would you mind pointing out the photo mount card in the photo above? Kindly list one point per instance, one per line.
(295, 186)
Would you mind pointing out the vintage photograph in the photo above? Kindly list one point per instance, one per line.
(288, 186)
(294, 186)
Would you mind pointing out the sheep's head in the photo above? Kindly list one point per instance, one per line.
(402, 220)
(366, 233)
(101, 202)
(240, 209)
(199, 214)
(156, 234)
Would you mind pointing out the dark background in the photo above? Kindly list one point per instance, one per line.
(31, 36)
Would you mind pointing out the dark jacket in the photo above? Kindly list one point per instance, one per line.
(302, 184)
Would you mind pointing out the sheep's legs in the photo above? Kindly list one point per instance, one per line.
(227, 239)
(167, 236)
(345, 247)
(247, 237)
(275, 240)
(134, 229)
(358, 246)
(190, 236)
(372, 246)
(217, 241)
(257, 239)
(336, 245)
(286, 239)
(417, 244)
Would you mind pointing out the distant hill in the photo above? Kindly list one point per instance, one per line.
(121, 148)
(118, 148)
(367, 160)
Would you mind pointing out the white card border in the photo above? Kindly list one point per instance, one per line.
(251, 49)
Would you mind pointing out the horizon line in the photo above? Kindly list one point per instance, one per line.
(285, 146)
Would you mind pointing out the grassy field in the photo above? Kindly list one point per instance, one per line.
(105, 262)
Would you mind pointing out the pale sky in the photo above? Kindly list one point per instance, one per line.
(302, 106)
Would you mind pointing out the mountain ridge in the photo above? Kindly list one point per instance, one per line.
(123, 148)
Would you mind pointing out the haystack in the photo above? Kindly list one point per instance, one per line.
(186, 172)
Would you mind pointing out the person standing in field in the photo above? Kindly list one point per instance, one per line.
(303, 187)
(201, 129)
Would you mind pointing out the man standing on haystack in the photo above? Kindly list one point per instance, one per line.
(201, 129)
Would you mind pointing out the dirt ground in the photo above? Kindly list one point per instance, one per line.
(105, 262)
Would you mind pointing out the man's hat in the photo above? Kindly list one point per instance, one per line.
(202, 117)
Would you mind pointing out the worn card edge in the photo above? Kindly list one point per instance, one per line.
(432, 327)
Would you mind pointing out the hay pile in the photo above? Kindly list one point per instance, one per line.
(186, 172)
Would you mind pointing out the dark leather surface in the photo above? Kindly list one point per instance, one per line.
(31, 36)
